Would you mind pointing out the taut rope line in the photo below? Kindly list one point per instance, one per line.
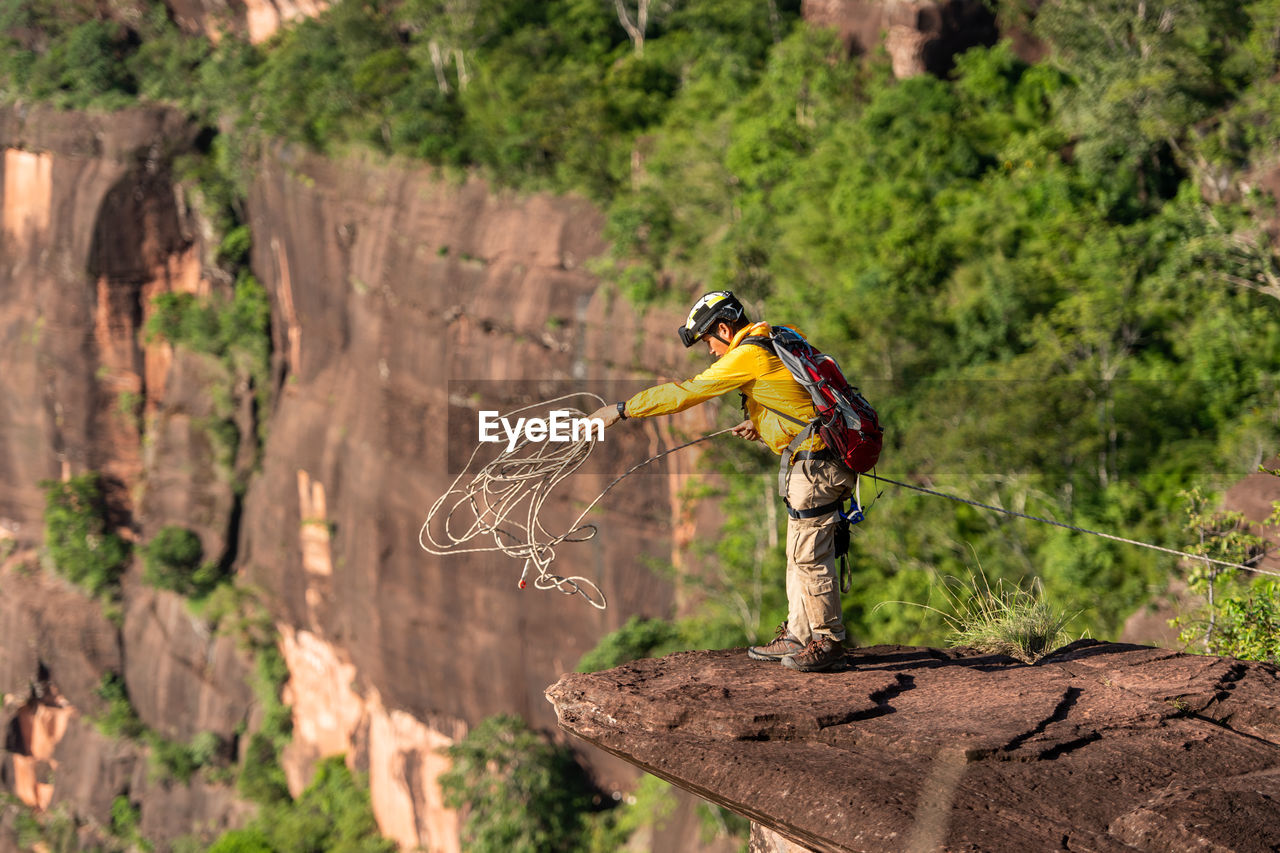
(496, 492)
(1098, 533)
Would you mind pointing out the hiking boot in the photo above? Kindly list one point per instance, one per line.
(822, 653)
(783, 644)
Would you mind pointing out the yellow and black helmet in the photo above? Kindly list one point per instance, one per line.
(714, 307)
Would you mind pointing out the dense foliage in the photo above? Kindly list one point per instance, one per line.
(522, 794)
(331, 813)
(1249, 624)
(1021, 269)
(638, 638)
(78, 535)
(519, 792)
(1240, 616)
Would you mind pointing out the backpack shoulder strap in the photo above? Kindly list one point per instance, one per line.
(794, 420)
(784, 464)
(763, 341)
(766, 343)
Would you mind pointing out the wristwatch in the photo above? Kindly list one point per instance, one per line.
(622, 409)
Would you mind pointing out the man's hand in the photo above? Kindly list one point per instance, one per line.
(746, 430)
(608, 414)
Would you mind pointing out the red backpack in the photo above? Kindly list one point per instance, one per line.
(845, 420)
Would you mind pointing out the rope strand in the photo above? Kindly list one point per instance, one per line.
(1112, 537)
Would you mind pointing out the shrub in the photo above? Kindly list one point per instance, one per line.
(171, 552)
(206, 748)
(332, 813)
(172, 760)
(1249, 625)
(1240, 621)
(233, 251)
(181, 318)
(119, 719)
(637, 639)
(76, 535)
(125, 817)
(173, 560)
(261, 778)
(250, 840)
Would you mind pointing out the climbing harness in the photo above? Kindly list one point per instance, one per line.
(504, 500)
(844, 522)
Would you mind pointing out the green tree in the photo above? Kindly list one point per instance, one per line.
(1145, 73)
(519, 793)
(1239, 618)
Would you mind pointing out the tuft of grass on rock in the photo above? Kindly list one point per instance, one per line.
(1008, 619)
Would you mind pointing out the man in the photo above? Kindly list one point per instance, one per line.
(813, 636)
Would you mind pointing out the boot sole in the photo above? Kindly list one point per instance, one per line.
(790, 663)
(755, 655)
(825, 667)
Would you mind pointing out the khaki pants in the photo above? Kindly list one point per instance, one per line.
(813, 582)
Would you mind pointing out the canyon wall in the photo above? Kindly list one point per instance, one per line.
(257, 19)
(399, 294)
(401, 302)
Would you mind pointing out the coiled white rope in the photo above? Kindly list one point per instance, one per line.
(504, 500)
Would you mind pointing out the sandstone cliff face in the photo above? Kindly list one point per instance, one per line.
(256, 19)
(399, 295)
(920, 36)
(1098, 746)
(401, 301)
(55, 645)
(88, 232)
(92, 229)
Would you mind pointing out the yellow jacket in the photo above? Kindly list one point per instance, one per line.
(759, 374)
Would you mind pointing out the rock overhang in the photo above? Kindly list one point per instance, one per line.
(1103, 746)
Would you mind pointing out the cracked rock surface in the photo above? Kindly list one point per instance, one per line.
(1099, 746)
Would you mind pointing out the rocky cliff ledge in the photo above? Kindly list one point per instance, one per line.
(1100, 746)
